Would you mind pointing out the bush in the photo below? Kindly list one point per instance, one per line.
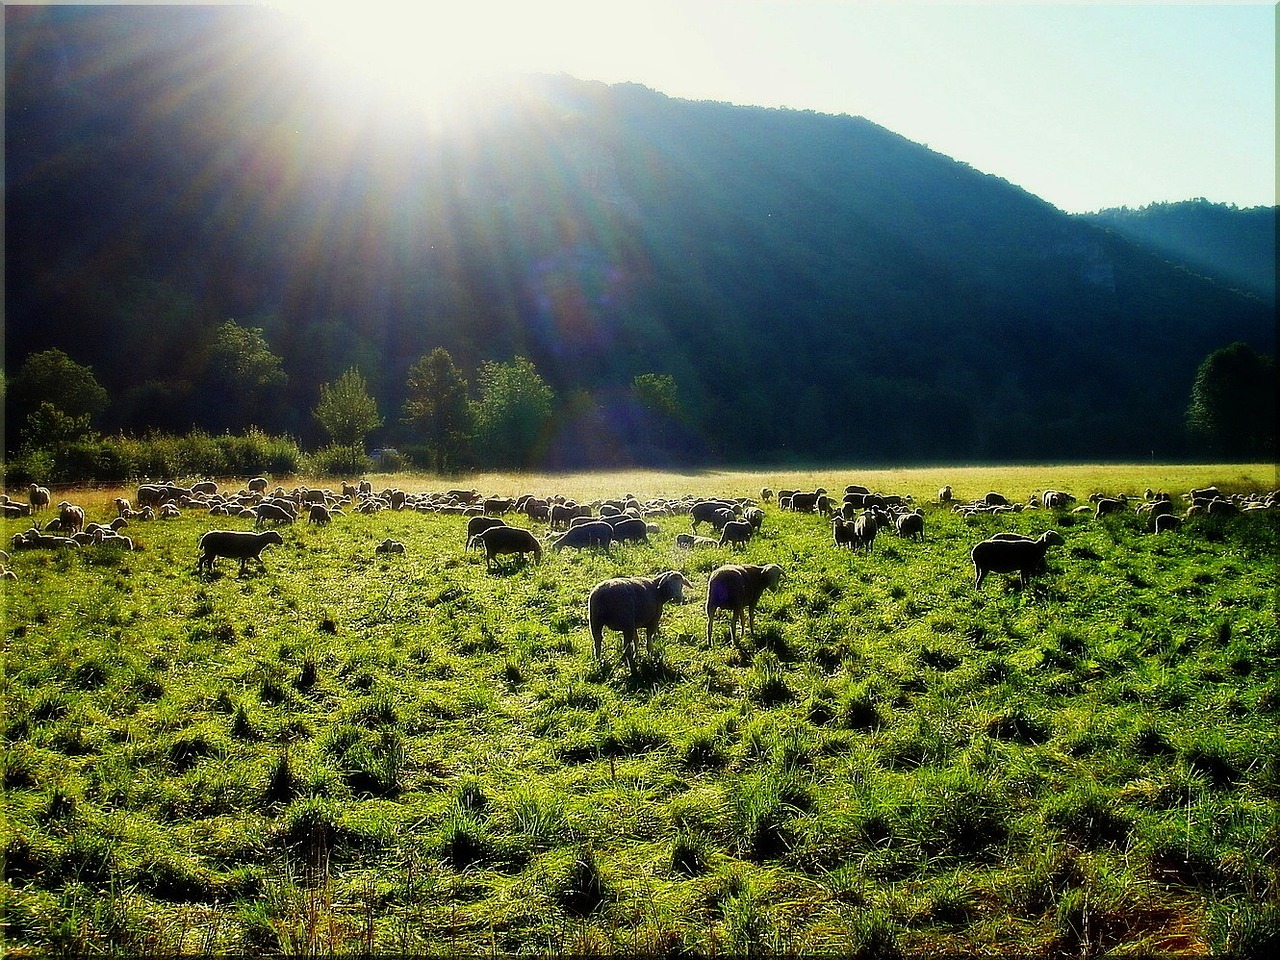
(336, 460)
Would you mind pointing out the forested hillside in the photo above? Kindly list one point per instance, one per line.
(1235, 246)
(816, 286)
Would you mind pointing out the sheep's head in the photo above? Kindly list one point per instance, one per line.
(1052, 538)
(272, 536)
(772, 576)
(671, 585)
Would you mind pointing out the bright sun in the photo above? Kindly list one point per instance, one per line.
(410, 54)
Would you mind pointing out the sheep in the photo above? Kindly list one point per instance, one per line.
(627, 604)
(508, 540)
(1056, 500)
(864, 532)
(38, 497)
(911, 524)
(993, 499)
(805, 502)
(270, 510)
(1007, 555)
(207, 487)
(389, 546)
(842, 532)
(169, 511)
(258, 485)
(715, 512)
(593, 533)
(737, 588)
(319, 514)
(33, 539)
(242, 545)
(630, 529)
(944, 495)
(1106, 505)
(691, 540)
(495, 506)
(736, 532)
(754, 516)
(478, 525)
(1167, 521)
(70, 516)
(765, 494)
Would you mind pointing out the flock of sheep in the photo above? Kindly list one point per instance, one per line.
(623, 604)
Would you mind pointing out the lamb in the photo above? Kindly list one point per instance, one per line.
(319, 514)
(1007, 555)
(627, 604)
(508, 540)
(38, 497)
(736, 532)
(242, 545)
(691, 540)
(842, 532)
(737, 588)
(593, 533)
(911, 524)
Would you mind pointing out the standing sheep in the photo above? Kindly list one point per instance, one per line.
(242, 545)
(737, 588)
(627, 604)
(1006, 556)
(319, 514)
(38, 497)
(736, 532)
(593, 533)
(911, 524)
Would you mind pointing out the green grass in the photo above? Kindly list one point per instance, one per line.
(360, 753)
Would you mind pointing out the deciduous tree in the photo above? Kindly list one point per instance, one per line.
(512, 414)
(346, 411)
(438, 408)
(1233, 402)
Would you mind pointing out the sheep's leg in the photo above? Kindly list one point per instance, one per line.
(597, 641)
(629, 648)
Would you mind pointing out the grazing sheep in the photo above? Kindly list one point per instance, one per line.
(478, 525)
(1167, 521)
(1056, 500)
(242, 545)
(169, 511)
(765, 494)
(496, 506)
(737, 588)
(563, 514)
(993, 499)
(258, 485)
(944, 495)
(630, 529)
(277, 514)
(715, 512)
(1003, 555)
(38, 497)
(754, 516)
(389, 546)
(207, 487)
(690, 540)
(498, 541)
(736, 532)
(911, 524)
(627, 604)
(593, 533)
(319, 514)
(1106, 505)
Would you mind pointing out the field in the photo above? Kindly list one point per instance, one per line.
(348, 752)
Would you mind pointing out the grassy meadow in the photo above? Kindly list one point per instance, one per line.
(358, 753)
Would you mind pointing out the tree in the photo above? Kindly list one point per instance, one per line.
(242, 377)
(1233, 401)
(658, 392)
(346, 411)
(438, 407)
(52, 394)
(512, 414)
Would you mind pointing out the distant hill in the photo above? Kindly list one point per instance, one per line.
(818, 286)
(1233, 245)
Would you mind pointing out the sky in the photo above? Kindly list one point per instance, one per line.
(1086, 106)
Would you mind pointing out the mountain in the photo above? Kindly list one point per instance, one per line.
(1234, 246)
(817, 286)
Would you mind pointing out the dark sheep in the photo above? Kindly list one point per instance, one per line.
(864, 532)
(1106, 505)
(496, 506)
(736, 532)
(498, 541)
(593, 533)
(1167, 521)
(319, 514)
(911, 525)
(737, 588)
(273, 512)
(242, 545)
(38, 497)
(715, 512)
(1006, 556)
(630, 529)
(478, 525)
(628, 604)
